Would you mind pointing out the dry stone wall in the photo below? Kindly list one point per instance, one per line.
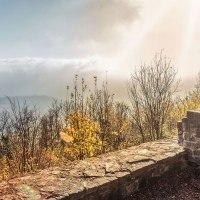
(189, 135)
(111, 176)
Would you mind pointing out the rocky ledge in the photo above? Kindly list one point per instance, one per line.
(114, 175)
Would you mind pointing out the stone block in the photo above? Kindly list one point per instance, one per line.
(198, 132)
(191, 135)
(128, 189)
(185, 126)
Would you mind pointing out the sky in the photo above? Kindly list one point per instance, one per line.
(43, 44)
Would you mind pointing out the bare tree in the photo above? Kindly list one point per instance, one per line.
(151, 90)
(24, 122)
(51, 125)
(5, 147)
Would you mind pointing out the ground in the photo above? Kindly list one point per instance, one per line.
(184, 185)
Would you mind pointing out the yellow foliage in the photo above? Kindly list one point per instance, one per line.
(191, 102)
(86, 136)
(178, 110)
(4, 168)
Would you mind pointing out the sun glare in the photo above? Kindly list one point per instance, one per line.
(189, 32)
(136, 40)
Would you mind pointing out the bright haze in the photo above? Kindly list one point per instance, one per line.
(44, 43)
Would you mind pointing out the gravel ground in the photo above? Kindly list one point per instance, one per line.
(182, 186)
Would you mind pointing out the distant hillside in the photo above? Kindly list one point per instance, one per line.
(42, 102)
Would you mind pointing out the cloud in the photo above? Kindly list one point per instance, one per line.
(72, 28)
(91, 27)
(30, 76)
(50, 76)
(68, 29)
(102, 20)
(34, 63)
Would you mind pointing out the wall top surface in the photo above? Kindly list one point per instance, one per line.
(79, 176)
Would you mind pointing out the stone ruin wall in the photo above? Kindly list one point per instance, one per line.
(189, 135)
(115, 175)
(112, 176)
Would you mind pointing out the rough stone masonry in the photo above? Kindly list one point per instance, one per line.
(111, 176)
(189, 135)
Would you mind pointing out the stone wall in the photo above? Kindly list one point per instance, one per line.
(189, 135)
(110, 176)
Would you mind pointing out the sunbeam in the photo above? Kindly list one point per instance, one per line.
(135, 36)
(136, 39)
(189, 32)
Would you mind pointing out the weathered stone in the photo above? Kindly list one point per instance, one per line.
(115, 175)
(185, 124)
(191, 135)
(129, 188)
(26, 191)
(198, 132)
(112, 167)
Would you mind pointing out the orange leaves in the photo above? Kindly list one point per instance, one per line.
(65, 137)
